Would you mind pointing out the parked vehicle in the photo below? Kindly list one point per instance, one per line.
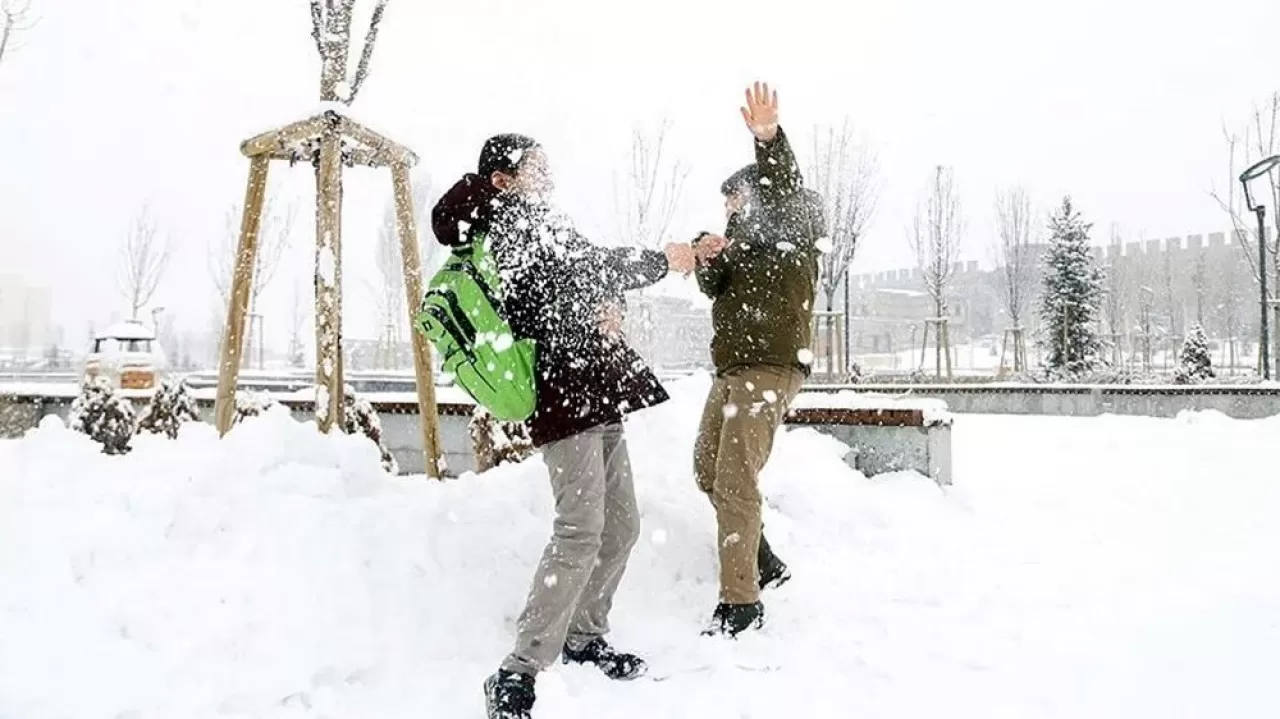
(127, 354)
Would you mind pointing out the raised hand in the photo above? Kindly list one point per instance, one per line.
(761, 112)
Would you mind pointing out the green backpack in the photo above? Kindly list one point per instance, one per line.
(462, 315)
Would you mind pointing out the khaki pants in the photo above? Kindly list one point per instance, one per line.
(743, 412)
(595, 527)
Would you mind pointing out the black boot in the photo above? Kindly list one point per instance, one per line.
(614, 664)
(730, 620)
(509, 695)
(773, 571)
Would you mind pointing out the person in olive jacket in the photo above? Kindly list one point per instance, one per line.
(564, 293)
(762, 277)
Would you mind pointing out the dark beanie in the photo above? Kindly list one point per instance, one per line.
(503, 153)
(746, 178)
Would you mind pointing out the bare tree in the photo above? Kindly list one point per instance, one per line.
(15, 19)
(302, 303)
(144, 257)
(1117, 297)
(647, 197)
(331, 29)
(273, 239)
(847, 174)
(388, 290)
(1260, 138)
(1016, 230)
(935, 237)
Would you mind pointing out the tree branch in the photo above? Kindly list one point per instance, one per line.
(362, 70)
(318, 26)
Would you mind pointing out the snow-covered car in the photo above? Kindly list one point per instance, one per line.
(128, 355)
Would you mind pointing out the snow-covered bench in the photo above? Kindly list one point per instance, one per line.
(886, 433)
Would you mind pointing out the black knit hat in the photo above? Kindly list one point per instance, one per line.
(503, 153)
(745, 179)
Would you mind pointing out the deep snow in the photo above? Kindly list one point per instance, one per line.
(1106, 567)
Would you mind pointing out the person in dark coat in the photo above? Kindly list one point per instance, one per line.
(761, 277)
(564, 293)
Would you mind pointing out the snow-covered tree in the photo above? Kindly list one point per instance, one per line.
(1072, 299)
(171, 406)
(359, 417)
(495, 443)
(104, 415)
(1194, 363)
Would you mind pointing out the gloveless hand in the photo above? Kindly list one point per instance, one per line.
(761, 112)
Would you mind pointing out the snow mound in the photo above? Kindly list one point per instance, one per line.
(281, 573)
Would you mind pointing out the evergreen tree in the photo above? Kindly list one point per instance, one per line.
(1072, 299)
(1194, 364)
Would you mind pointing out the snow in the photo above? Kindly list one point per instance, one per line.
(326, 263)
(935, 410)
(130, 330)
(1080, 567)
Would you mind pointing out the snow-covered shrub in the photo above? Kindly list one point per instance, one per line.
(495, 442)
(251, 404)
(104, 415)
(171, 406)
(1194, 363)
(359, 417)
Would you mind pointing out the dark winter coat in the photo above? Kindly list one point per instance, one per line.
(555, 284)
(763, 284)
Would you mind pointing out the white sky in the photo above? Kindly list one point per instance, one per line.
(1119, 102)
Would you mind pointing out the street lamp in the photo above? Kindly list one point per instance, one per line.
(1258, 170)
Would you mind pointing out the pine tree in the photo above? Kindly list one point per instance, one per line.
(171, 407)
(1194, 364)
(1072, 299)
(104, 415)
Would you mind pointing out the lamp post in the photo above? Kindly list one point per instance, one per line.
(1258, 170)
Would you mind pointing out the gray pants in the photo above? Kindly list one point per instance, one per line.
(596, 525)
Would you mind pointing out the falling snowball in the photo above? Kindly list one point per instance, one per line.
(503, 342)
(730, 411)
(551, 580)
(770, 396)
(824, 245)
(659, 537)
(805, 356)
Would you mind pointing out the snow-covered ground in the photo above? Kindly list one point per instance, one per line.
(1105, 567)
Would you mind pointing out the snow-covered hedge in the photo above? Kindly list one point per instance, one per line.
(171, 406)
(495, 443)
(104, 415)
(359, 417)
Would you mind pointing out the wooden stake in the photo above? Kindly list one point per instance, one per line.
(328, 309)
(406, 223)
(241, 286)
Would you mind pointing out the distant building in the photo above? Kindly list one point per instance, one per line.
(26, 328)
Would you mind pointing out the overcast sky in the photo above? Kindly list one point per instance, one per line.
(1118, 102)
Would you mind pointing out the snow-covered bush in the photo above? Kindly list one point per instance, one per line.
(251, 404)
(104, 415)
(171, 406)
(359, 417)
(1194, 363)
(495, 442)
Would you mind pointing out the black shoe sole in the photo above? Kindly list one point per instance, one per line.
(778, 581)
(490, 685)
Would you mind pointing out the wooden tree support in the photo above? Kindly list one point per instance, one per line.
(328, 142)
(1014, 336)
(942, 342)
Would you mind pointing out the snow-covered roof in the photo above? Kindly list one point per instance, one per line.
(127, 330)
